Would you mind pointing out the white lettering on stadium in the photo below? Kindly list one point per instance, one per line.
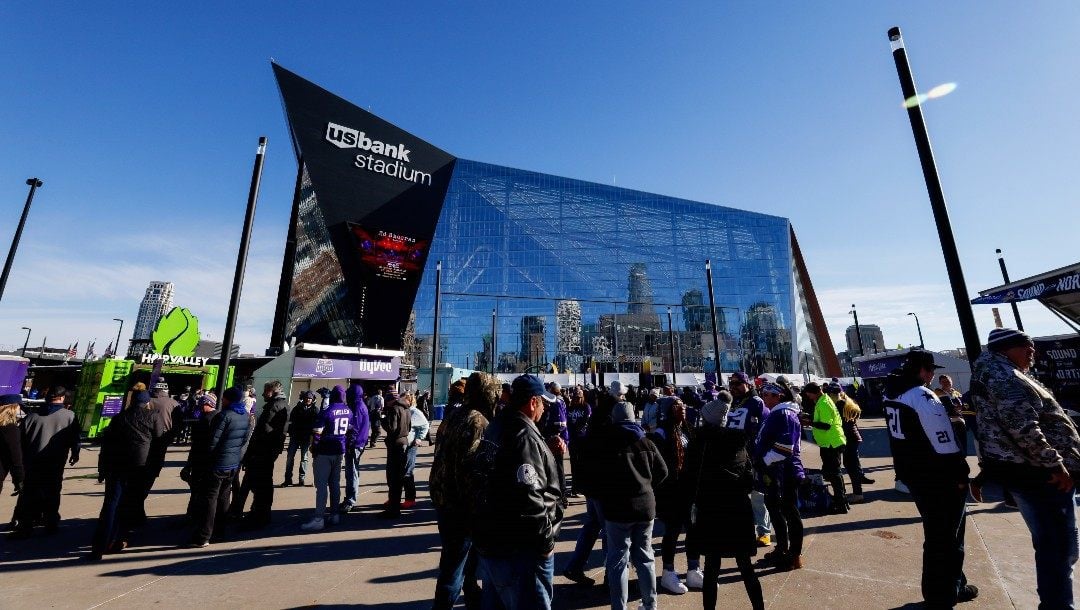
(346, 137)
(185, 360)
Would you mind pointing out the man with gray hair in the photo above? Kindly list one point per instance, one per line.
(267, 443)
(622, 469)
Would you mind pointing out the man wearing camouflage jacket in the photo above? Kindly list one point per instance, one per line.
(1029, 445)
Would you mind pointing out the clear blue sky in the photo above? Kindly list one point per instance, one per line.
(142, 120)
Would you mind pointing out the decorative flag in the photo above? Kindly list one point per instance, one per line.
(109, 351)
(72, 350)
(89, 351)
(42, 352)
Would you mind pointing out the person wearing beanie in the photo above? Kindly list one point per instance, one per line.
(198, 466)
(778, 455)
(719, 478)
(230, 430)
(927, 458)
(850, 412)
(622, 468)
(747, 413)
(126, 455)
(1030, 446)
(331, 432)
(49, 435)
(397, 421)
(650, 415)
(301, 423)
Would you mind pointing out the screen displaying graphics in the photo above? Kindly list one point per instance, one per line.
(389, 255)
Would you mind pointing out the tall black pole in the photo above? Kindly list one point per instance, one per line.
(937, 198)
(494, 317)
(34, 183)
(27, 342)
(241, 266)
(116, 349)
(671, 340)
(919, 328)
(435, 330)
(858, 331)
(615, 345)
(712, 314)
(1005, 276)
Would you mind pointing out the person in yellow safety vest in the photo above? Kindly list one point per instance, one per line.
(829, 435)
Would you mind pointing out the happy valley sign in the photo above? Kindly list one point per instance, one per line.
(167, 359)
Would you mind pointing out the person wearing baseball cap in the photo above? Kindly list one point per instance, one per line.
(519, 511)
(1030, 446)
(747, 413)
(928, 459)
(778, 452)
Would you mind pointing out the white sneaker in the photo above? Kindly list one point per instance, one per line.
(334, 519)
(695, 579)
(671, 583)
(315, 525)
(900, 487)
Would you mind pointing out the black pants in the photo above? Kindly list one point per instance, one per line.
(119, 511)
(376, 430)
(830, 471)
(211, 505)
(40, 497)
(560, 467)
(457, 564)
(781, 498)
(853, 465)
(395, 474)
(674, 524)
(943, 515)
(575, 467)
(749, 577)
(259, 481)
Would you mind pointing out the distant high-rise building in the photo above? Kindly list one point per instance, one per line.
(871, 336)
(155, 303)
(568, 334)
(640, 292)
(533, 341)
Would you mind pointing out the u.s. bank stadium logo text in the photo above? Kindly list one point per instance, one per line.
(397, 156)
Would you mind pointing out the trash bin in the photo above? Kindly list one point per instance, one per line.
(437, 412)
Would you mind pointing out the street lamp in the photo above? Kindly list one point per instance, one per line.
(27, 342)
(919, 327)
(858, 332)
(34, 184)
(116, 346)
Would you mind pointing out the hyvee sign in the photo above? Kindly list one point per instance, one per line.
(346, 137)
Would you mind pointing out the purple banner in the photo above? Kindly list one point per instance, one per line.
(12, 375)
(367, 367)
(881, 367)
(111, 406)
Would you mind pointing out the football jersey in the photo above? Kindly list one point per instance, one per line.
(335, 422)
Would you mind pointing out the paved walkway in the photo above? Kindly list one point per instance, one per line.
(869, 558)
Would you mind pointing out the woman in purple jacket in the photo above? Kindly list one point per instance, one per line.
(777, 453)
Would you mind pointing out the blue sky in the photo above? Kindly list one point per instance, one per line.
(142, 120)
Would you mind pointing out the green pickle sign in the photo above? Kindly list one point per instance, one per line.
(177, 333)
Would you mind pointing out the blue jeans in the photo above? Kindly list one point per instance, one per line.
(1051, 517)
(327, 482)
(410, 464)
(630, 542)
(517, 582)
(457, 564)
(762, 523)
(352, 474)
(301, 444)
(591, 528)
(116, 517)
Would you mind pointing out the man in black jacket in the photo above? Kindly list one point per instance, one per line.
(397, 420)
(517, 515)
(49, 434)
(267, 443)
(301, 423)
(622, 469)
(928, 459)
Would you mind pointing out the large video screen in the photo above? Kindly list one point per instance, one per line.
(389, 255)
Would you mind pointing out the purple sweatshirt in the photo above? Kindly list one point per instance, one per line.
(333, 425)
(782, 432)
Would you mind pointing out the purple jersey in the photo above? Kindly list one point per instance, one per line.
(335, 422)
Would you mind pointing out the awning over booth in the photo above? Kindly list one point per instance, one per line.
(1059, 290)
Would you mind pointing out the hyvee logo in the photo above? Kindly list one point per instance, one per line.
(345, 137)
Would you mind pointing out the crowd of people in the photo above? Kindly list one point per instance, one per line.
(719, 467)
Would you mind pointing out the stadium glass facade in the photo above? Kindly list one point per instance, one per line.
(576, 276)
(578, 272)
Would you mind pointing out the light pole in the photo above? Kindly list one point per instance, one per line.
(712, 315)
(858, 332)
(34, 184)
(435, 329)
(937, 197)
(27, 342)
(919, 328)
(1005, 276)
(116, 346)
(671, 340)
(494, 317)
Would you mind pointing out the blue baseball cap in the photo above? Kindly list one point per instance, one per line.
(527, 386)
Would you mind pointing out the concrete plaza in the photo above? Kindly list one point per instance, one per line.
(869, 558)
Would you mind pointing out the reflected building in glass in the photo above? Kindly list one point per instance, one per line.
(580, 276)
